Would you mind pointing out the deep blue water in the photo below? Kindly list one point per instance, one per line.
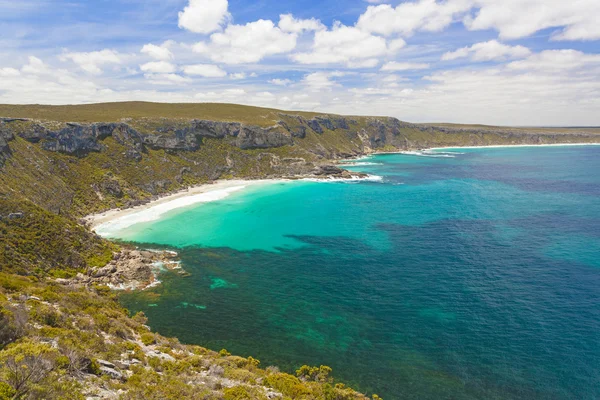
(471, 276)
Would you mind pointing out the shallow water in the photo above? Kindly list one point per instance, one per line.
(470, 276)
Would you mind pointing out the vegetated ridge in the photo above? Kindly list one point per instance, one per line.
(59, 163)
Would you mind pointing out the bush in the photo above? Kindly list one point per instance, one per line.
(12, 325)
(243, 393)
(46, 315)
(317, 374)
(148, 339)
(6, 391)
(26, 365)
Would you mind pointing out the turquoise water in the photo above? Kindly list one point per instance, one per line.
(471, 275)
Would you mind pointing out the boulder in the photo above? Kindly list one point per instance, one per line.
(327, 170)
(111, 372)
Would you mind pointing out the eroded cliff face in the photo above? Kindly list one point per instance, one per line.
(78, 168)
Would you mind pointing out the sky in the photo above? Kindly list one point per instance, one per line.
(508, 62)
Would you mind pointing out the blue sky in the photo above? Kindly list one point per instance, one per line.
(510, 62)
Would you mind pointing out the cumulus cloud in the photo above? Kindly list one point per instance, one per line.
(319, 81)
(204, 70)
(409, 17)
(249, 43)
(159, 67)
(35, 66)
(560, 60)
(347, 45)
(403, 66)
(575, 20)
(204, 16)
(288, 23)
(166, 79)
(521, 18)
(9, 72)
(280, 82)
(488, 51)
(161, 52)
(93, 61)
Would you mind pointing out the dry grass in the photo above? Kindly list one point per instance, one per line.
(109, 112)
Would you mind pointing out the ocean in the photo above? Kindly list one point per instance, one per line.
(451, 274)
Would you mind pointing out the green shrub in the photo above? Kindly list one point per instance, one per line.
(317, 374)
(46, 315)
(224, 353)
(6, 391)
(243, 393)
(148, 339)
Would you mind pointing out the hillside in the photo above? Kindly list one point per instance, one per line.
(60, 163)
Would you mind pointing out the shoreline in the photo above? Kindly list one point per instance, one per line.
(512, 145)
(154, 209)
(117, 219)
(109, 221)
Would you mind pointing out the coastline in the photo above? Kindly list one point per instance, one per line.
(153, 210)
(116, 219)
(512, 145)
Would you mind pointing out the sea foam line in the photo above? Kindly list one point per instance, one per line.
(354, 178)
(515, 145)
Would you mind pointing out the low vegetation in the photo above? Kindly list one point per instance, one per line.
(59, 342)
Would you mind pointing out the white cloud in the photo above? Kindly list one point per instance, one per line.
(288, 23)
(166, 79)
(35, 66)
(319, 81)
(403, 66)
(560, 61)
(91, 62)
(521, 18)
(280, 82)
(237, 76)
(488, 51)
(248, 43)
(159, 67)
(409, 17)
(204, 16)
(235, 95)
(161, 52)
(204, 70)
(511, 18)
(9, 72)
(346, 45)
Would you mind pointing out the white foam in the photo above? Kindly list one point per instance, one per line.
(153, 213)
(352, 179)
(358, 164)
(427, 153)
(516, 145)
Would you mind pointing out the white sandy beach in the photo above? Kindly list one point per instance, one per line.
(115, 220)
(515, 145)
(107, 223)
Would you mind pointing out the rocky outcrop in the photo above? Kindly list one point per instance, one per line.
(5, 152)
(74, 139)
(131, 270)
(252, 137)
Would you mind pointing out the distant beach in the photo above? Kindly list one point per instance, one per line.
(114, 220)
